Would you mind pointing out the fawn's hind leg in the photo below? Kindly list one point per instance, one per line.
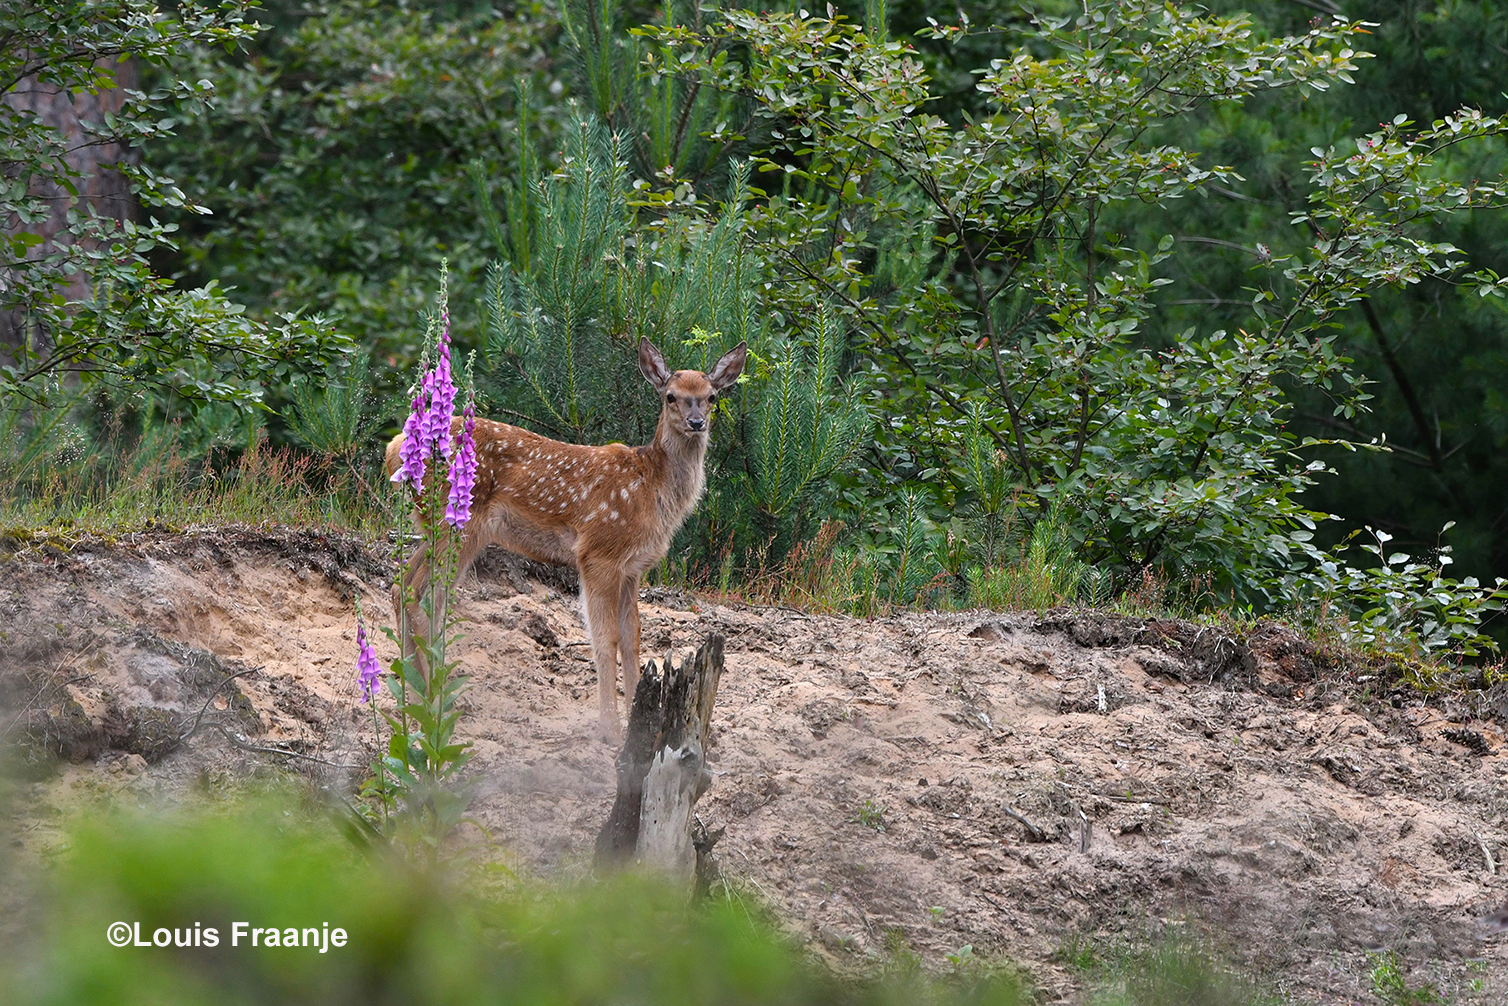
(412, 584)
(628, 636)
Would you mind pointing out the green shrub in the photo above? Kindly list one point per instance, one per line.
(334, 157)
(1401, 604)
(979, 264)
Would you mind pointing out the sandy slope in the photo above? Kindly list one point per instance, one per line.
(872, 776)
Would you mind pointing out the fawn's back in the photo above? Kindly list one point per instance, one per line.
(557, 502)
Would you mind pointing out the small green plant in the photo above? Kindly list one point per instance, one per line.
(1476, 967)
(911, 560)
(987, 475)
(870, 815)
(330, 420)
(1046, 572)
(803, 430)
(1390, 982)
(326, 414)
(961, 959)
(903, 966)
(1077, 951)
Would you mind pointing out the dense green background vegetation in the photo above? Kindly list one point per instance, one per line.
(1046, 305)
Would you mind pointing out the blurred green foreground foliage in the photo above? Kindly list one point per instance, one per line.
(415, 937)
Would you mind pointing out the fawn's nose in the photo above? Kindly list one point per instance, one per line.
(696, 423)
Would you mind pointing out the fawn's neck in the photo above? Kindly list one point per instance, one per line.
(680, 464)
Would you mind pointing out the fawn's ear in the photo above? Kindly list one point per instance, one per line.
(729, 367)
(652, 365)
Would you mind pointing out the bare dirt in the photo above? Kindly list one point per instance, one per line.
(1009, 782)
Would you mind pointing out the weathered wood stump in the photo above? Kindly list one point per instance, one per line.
(662, 768)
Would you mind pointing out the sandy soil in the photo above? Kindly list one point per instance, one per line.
(1002, 781)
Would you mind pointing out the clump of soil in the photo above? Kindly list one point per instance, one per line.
(1004, 781)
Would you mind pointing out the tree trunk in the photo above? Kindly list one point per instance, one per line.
(662, 769)
(105, 189)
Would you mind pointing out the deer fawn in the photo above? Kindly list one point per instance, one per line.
(611, 510)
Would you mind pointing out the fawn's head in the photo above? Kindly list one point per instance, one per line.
(687, 397)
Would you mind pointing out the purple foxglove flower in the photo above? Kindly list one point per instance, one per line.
(442, 405)
(366, 664)
(427, 430)
(427, 420)
(462, 472)
(411, 454)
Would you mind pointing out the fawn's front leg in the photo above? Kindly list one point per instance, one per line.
(601, 594)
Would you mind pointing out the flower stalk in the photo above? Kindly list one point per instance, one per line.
(414, 783)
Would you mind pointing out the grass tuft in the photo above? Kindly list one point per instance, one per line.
(1173, 971)
(55, 483)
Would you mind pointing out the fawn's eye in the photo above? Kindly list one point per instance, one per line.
(669, 398)
(711, 399)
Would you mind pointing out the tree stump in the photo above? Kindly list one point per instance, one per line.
(662, 768)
